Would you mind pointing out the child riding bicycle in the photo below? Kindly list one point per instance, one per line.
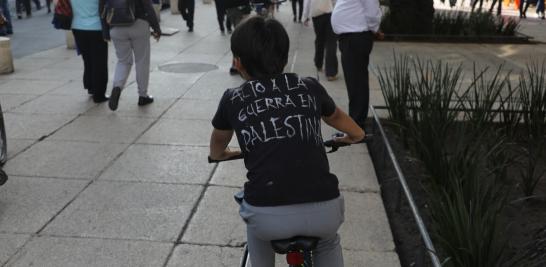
(276, 117)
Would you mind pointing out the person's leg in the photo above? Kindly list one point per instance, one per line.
(331, 68)
(141, 45)
(182, 9)
(28, 8)
(320, 38)
(520, 7)
(37, 3)
(19, 8)
(294, 9)
(124, 53)
(48, 4)
(82, 43)
(300, 14)
(99, 54)
(318, 219)
(190, 5)
(220, 13)
(355, 56)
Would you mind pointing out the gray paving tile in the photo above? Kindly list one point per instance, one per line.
(230, 173)
(192, 109)
(169, 164)
(50, 104)
(9, 101)
(29, 203)
(80, 160)
(193, 255)
(128, 107)
(213, 85)
(166, 84)
(72, 88)
(355, 171)
(370, 259)
(217, 203)
(178, 132)
(110, 129)
(141, 211)
(54, 252)
(17, 145)
(366, 226)
(29, 87)
(9, 244)
(33, 126)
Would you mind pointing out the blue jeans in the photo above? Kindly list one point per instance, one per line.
(540, 6)
(5, 10)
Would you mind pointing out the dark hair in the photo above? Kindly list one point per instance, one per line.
(262, 45)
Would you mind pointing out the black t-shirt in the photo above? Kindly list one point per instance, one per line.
(277, 123)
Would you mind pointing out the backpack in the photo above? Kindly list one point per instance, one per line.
(62, 17)
(119, 12)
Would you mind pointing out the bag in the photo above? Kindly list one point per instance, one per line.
(3, 20)
(119, 12)
(62, 17)
(321, 7)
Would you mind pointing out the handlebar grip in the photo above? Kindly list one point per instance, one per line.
(239, 156)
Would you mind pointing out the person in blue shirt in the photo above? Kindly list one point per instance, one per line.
(4, 10)
(87, 29)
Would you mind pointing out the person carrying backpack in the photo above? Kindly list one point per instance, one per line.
(127, 23)
(277, 117)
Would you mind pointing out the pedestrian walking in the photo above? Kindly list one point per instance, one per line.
(132, 43)
(540, 9)
(523, 7)
(187, 8)
(20, 5)
(7, 29)
(236, 11)
(221, 15)
(320, 11)
(297, 15)
(87, 29)
(357, 23)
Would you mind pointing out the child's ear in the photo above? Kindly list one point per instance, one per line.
(237, 64)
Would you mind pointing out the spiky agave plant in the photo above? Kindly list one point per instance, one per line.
(434, 112)
(395, 83)
(465, 209)
(532, 84)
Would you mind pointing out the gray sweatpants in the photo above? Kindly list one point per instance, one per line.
(132, 41)
(317, 219)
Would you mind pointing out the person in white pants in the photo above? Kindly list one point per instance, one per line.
(132, 43)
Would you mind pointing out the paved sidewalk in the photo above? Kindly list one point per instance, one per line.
(91, 187)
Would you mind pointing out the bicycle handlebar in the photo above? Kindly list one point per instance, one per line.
(332, 144)
(240, 156)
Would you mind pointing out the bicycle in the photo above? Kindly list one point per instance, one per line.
(298, 249)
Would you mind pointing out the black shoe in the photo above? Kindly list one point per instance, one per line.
(114, 98)
(233, 71)
(100, 99)
(145, 100)
(294, 19)
(19, 17)
(229, 31)
(190, 29)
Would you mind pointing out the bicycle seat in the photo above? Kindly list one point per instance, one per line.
(296, 243)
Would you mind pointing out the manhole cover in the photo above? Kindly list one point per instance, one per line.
(187, 67)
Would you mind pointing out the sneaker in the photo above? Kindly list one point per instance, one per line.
(145, 100)
(331, 78)
(114, 98)
(233, 71)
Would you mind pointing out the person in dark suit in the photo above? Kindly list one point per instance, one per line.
(187, 8)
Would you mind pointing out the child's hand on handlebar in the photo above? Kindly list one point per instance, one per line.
(226, 155)
(345, 138)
